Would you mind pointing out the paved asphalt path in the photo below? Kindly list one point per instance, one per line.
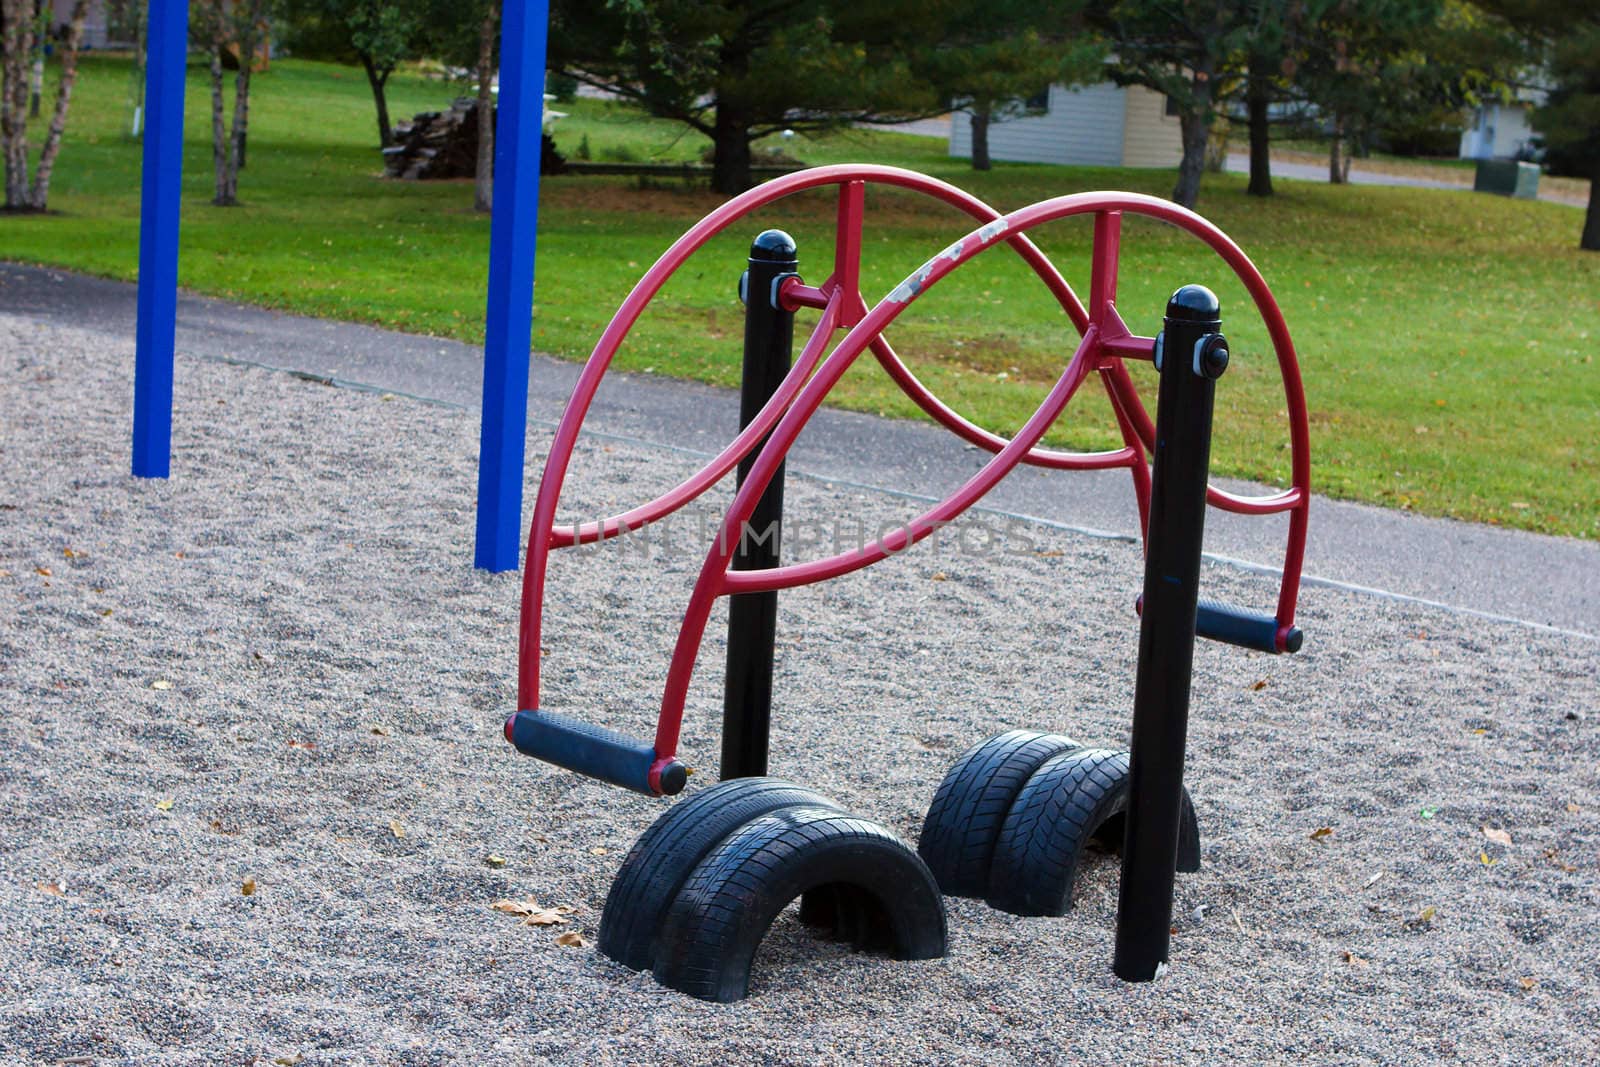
(1544, 581)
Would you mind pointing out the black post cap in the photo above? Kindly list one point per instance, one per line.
(773, 246)
(1192, 303)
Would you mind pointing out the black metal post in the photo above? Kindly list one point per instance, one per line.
(753, 617)
(1190, 355)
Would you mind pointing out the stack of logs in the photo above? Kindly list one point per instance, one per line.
(444, 144)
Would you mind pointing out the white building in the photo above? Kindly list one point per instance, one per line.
(1096, 125)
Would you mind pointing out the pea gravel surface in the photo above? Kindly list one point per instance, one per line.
(255, 805)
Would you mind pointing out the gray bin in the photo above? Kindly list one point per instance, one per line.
(1507, 177)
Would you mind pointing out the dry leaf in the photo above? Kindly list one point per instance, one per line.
(1426, 914)
(380, 731)
(1321, 833)
(70, 554)
(597, 852)
(248, 887)
(165, 804)
(1370, 882)
(1354, 960)
(1528, 982)
(42, 571)
(572, 939)
(308, 745)
(1499, 837)
(940, 576)
(1051, 554)
(1257, 686)
(1573, 808)
(396, 829)
(105, 611)
(532, 914)
(1554, 857)
(289, 1060)
(4, 573)
(495, 861)
(160, 683)
(1487, 860)
(55, 889)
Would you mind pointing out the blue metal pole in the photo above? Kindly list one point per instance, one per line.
(508, 325)
(158, 237)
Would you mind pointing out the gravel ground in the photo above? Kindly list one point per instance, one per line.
(278, 672)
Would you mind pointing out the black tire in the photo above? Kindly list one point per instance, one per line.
(883, 892)
(958, 836)
(1073, 798)
(660, 861)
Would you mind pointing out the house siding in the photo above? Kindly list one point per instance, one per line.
(1081, 126)
(1150, 137)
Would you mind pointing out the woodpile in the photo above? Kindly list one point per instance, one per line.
(444, 144)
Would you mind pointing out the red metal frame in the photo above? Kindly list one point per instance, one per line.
(1106, 343)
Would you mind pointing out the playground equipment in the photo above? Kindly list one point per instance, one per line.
(701, 887)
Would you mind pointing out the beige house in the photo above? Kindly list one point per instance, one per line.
(1096, 125)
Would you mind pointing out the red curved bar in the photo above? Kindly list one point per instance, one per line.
(541, 530)
(715, 578)
(714, 471)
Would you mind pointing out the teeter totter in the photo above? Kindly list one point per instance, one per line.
(699, 890)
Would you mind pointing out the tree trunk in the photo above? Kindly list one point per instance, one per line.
(1591, 220)
(58, 121)
(241, 119)
(18, 43)
(1195, 129)
(38, 85)
(378, 82)
(980, 137)
(219, 132)
(1258, 97)
(1338, 164)
(483, 174)
(730, 161)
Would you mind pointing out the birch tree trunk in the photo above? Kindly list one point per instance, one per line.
(483, 180)
(219, 135)
(58, 121)
(14, 50)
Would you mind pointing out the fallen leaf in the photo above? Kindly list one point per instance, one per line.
(532, 914)
(1370, 882)
(396, 829)
(303, 744)
(105, 611)
(1259, 685)
(1426, 914)
(1487, 860)
(1053, 553)
(597, 852)
(1321, 832)
(55, 889)
(1480, 731)
(380, 731)
(248, 887)
(71, 554)
(1354, 960)
(290, 1060)
(165, 804)
(160, 683)
(1428, 813)
(1573, 808)
(1528, 982)
(1499, 837)
(495, 861)
(1555, 858)
(4, 573)
(940, 576)
(572, 939)
(42, 571)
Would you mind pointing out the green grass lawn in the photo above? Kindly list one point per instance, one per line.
(1447, 339)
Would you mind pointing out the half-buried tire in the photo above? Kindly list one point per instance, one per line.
(964, 820)
(858, 871)
(660, 861)
(1073, 798)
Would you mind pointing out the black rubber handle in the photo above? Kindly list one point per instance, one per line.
(594, 751)
(1247, 629)
(1235, 626)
